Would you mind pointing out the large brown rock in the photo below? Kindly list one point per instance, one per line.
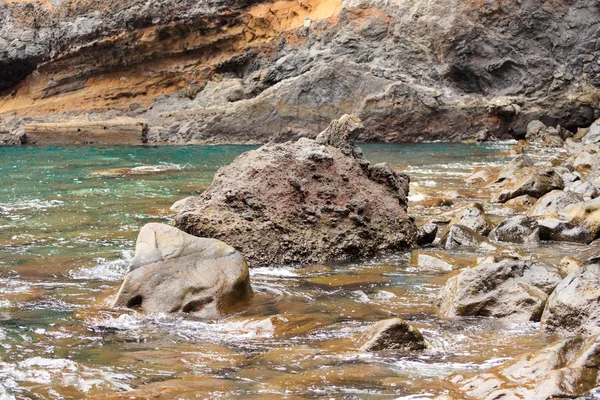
(569, 368)
(176, 272)
(303, 202)
(533, 181)
(510, 289)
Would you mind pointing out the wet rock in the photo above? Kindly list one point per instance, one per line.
(569, 368)
(519, 229)
(550, 203)
(392, 334)
(585, 160)
(176, 272)
(304, 202)
(532, 181)
(462, 236)
(434, 202)
(438, 261)
(515, 290)
(574, 306)
(473, 217)
(426, 234)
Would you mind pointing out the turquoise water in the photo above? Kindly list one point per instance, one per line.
(69, 217)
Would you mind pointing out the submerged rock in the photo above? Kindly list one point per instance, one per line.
(574, 306)
(515, 290)
(519, 229)
(393, 334)
(304, 202)
(438, 261)
(569, 368)
(173, 271)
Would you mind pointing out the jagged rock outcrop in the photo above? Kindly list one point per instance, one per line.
(250, 71)
(176, 272)
(303, 202)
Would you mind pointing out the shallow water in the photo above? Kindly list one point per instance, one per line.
(68, 222)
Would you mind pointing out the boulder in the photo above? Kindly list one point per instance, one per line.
(536, 131)
(586, 190)
(532, 181)
(519, 229)
(553, 202)
(516, 164)
(510, 289)
(305, 202)
(473, 217)
(576, 223)
(483, 176)
(392, 334)
(574, 306)
(585, 160)
(426, 234)
(593, 134)
(569, 368)
(342, 133)
(462, 236)
(173, 271)
(567, 265)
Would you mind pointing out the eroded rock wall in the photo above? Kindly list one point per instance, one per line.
(249, 71)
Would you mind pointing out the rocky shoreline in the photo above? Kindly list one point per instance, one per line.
(503, 278)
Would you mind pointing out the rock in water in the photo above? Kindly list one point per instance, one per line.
(569, 368)
(515, 290)
(574, 306)
(304, 202)
(519, 229)
(176, 272)
(342, 133)
(392, 333)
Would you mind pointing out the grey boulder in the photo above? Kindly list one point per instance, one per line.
(519, 229)
(574, 306)
(509, 289)
(173, 271)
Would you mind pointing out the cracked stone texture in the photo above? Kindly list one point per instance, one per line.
(248, 72)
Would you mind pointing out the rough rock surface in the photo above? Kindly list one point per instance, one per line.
(574, 306)
(519, 229)
(176, 272)
(532, 181)
(458, 235)
(303, 202)
(577, 223)
(473, 217)
(249, 71)
(392, 334)
(511, 289)
(553, 202)
(569, 368)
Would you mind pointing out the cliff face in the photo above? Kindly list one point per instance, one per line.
(251, 71)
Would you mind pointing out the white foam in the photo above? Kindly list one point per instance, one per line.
(34, 204)
(105, 270)
(273, 271)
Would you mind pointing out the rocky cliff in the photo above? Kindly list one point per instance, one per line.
(251, 71)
